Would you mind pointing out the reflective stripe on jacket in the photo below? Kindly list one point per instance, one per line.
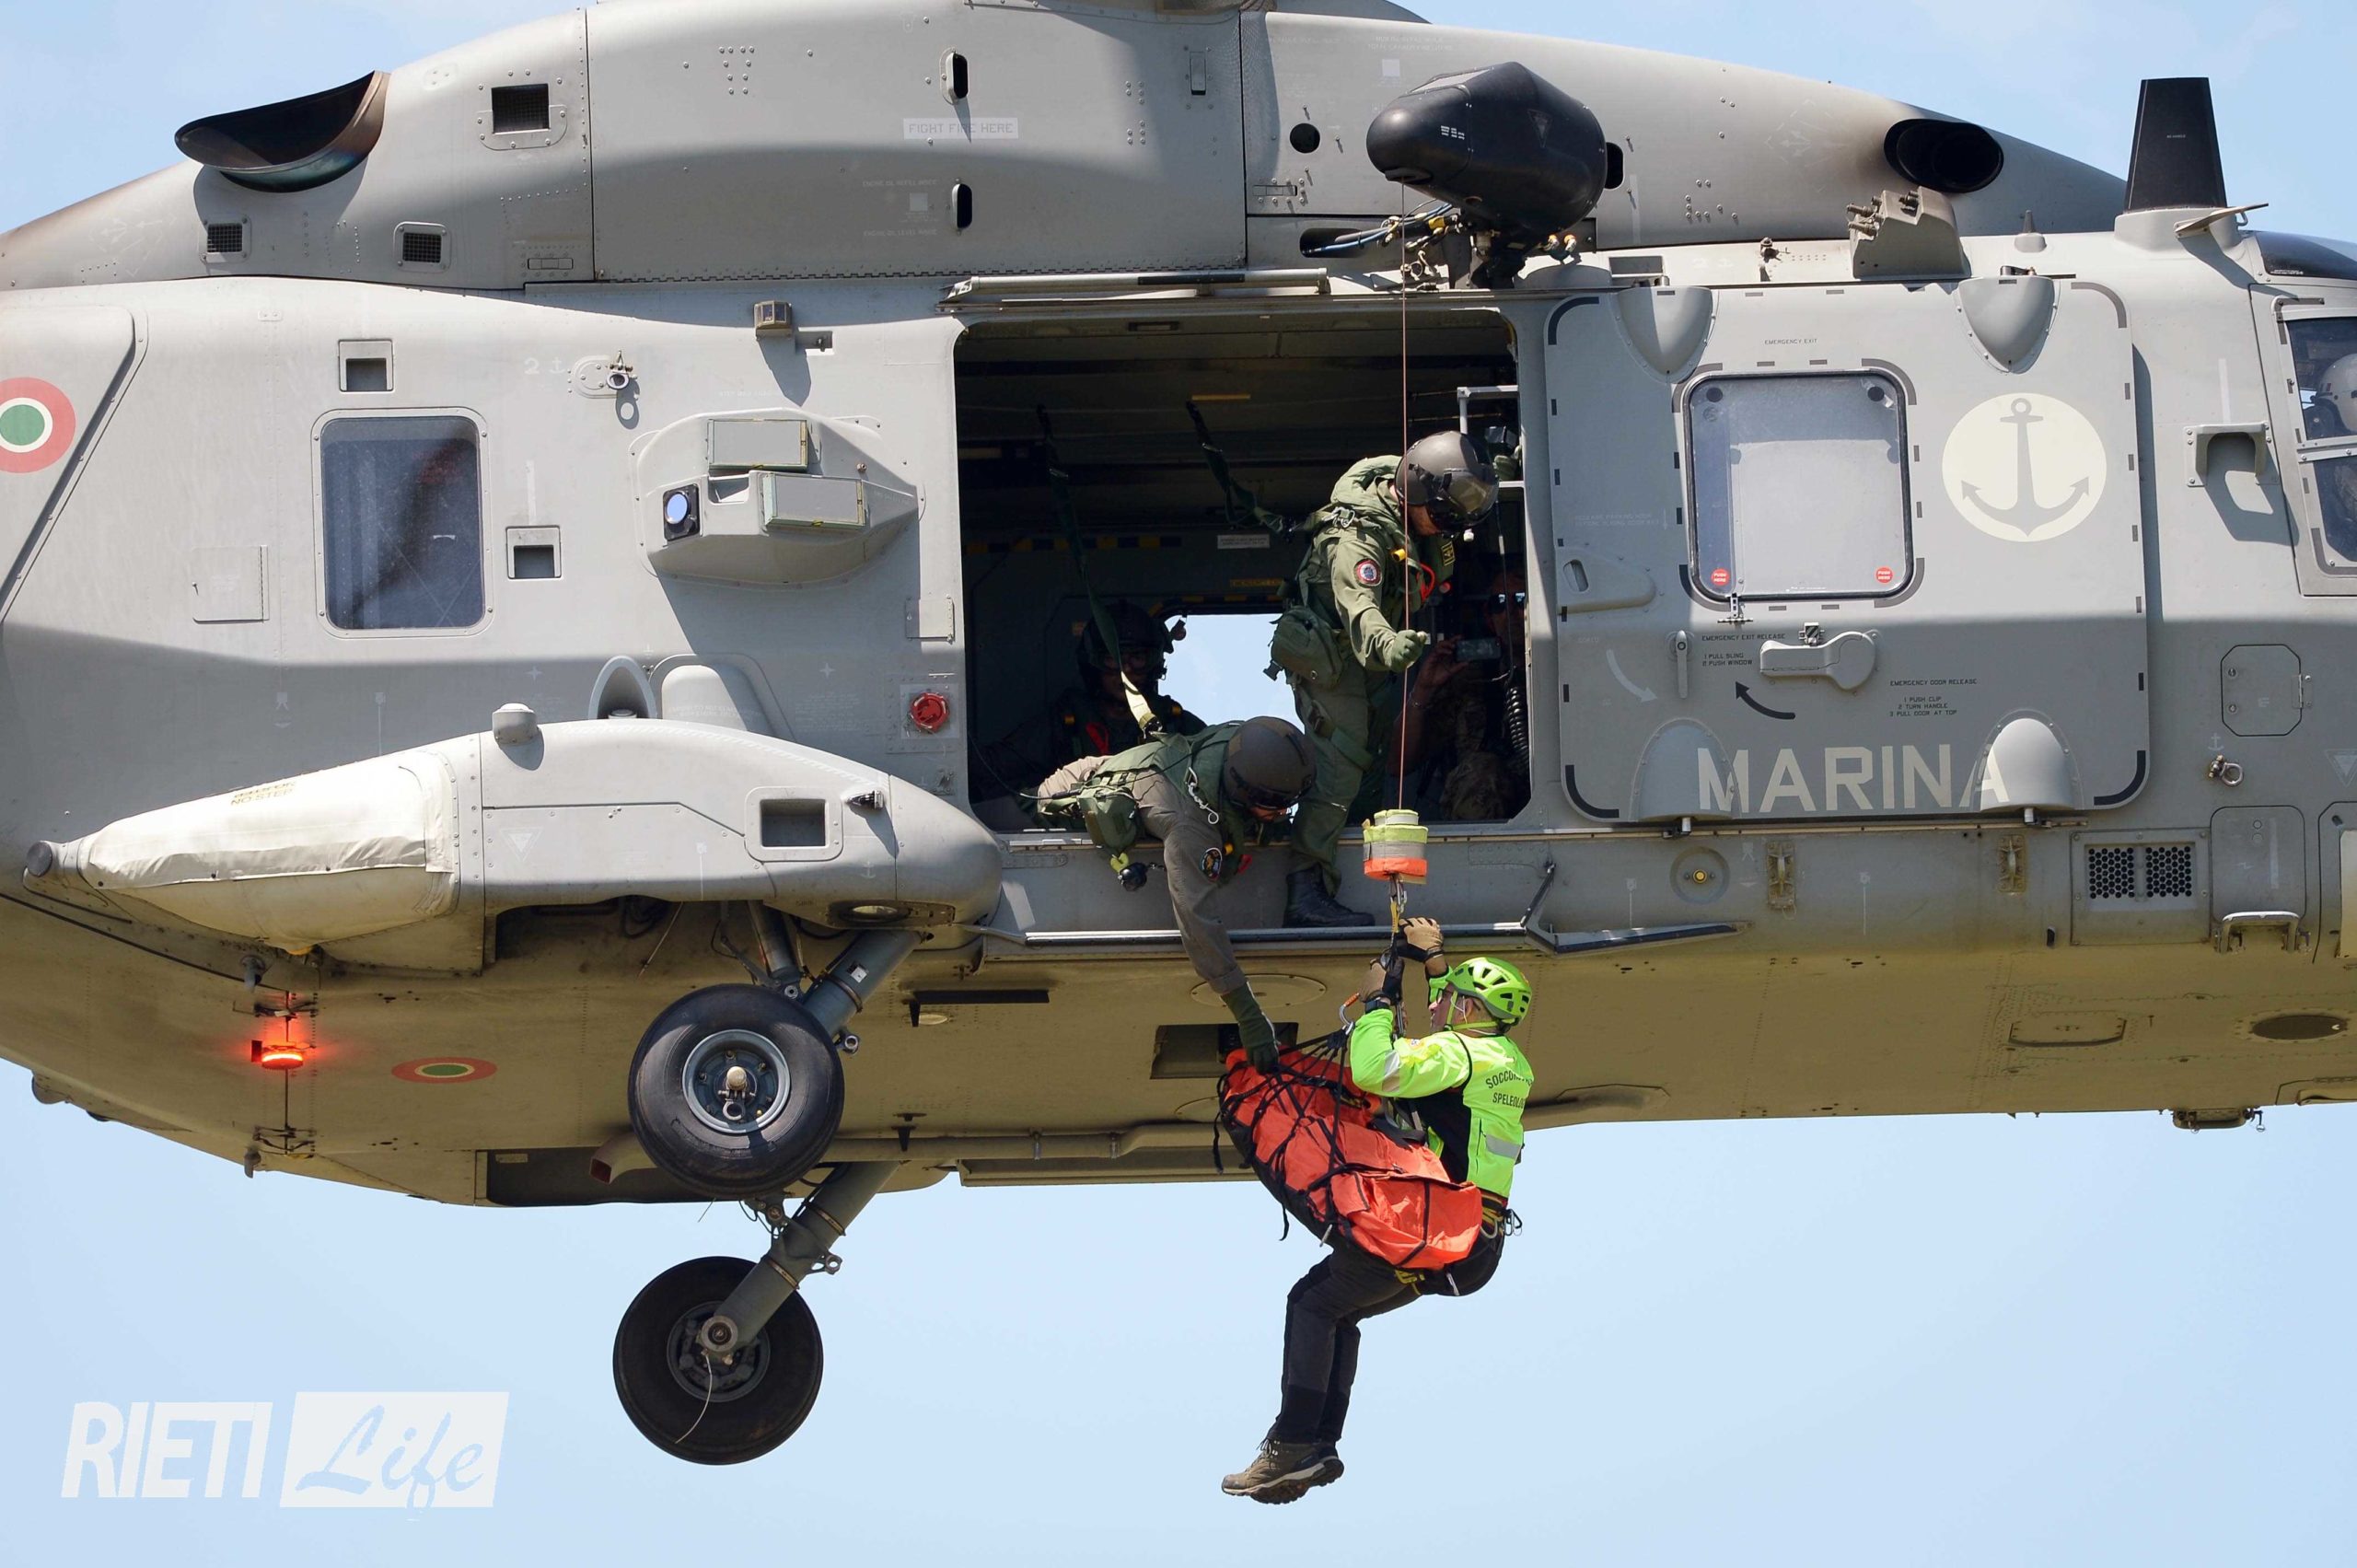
(1489, 1072)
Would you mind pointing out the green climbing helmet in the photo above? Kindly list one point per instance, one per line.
(1498, 986)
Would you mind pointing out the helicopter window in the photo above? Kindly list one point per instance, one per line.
(2326, 401)
(2324, 358)
(403, 533)
(1799, 485)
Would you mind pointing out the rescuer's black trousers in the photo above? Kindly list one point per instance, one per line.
(1323, 1312)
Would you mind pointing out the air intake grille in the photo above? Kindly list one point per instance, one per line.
(2168, 871)
(2141, 873)
(224, 239)
(2111, 872)
(421, 247)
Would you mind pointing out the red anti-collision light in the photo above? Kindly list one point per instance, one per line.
(278, 1058)
(929, 711)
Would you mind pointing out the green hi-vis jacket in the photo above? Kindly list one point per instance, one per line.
(1468, 1088)
(1353, 575)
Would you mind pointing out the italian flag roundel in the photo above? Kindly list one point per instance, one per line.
(36, 425)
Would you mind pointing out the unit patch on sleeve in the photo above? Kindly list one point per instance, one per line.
(1367, 572)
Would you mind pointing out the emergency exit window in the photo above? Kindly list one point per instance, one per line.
(1799, 485)
(402, 530)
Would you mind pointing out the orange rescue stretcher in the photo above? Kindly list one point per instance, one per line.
(1314, 1141)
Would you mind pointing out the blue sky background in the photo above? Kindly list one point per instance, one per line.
(2060, 1341)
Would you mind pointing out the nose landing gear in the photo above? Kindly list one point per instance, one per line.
(736, 1091)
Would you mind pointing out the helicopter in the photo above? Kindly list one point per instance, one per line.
(509, 567)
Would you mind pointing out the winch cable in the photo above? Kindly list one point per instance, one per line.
(1406, 562)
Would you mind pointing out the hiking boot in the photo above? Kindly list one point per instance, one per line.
(1308, 903)
(1281, 1473)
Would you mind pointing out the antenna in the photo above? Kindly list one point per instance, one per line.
(2174, 163)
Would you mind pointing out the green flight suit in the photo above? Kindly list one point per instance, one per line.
(1356, 589)
(1469, 1088)
(1164, 799)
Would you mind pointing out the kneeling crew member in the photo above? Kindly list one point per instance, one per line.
(1467, 1084)
(1205, 799)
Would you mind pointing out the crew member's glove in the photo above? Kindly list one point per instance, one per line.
(1403, 649)
(1252, 1026)
(1421, 939)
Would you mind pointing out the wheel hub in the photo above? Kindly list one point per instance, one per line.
(736, 1081)
(703, 1376)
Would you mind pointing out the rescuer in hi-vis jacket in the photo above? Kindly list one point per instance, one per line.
(1378, 551)
(1201, 802)
(1467, 1082)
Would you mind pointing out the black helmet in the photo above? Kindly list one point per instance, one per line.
(1270, 765)
(1140, 631)
(1450, 474)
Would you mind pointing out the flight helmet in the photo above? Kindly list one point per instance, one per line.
(1270, 765)
(1140, 631)
(2339, 389)
(1448, 472)
(1497, 985)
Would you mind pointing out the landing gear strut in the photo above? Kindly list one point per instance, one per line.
(736, 1091)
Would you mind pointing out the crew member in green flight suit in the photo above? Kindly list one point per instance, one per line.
(1378, 551)
(1200, 803)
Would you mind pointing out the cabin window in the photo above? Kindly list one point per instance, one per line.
(2324, 358)
(402, 503)
(1798, 485)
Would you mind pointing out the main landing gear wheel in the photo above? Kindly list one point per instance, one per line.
(714, 1409)
(736, 1091)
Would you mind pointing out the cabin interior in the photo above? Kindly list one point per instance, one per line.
(1290, 401)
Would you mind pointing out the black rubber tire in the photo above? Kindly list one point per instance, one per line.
(726, 1431)
(759, 1160)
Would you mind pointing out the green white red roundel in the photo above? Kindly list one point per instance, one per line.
(36, 424)
(444, 1070)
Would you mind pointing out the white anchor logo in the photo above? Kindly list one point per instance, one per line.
(2006, 444)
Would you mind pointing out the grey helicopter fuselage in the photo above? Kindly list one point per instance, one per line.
(672, 372)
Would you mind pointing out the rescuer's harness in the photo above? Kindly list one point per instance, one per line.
(1321, 1146)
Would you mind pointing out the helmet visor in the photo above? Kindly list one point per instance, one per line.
(1465, 494)
(1261, 798)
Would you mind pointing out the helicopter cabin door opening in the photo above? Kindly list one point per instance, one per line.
(1144, 527)
(1823, 550)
